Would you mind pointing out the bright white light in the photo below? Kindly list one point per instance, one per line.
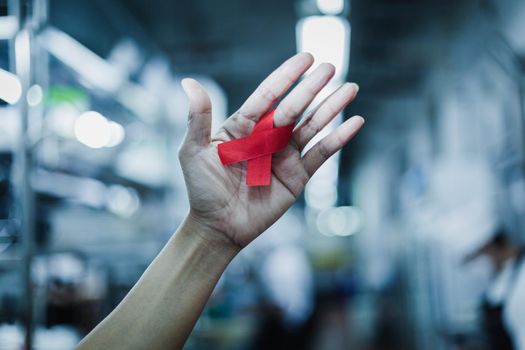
(331, 7)
(123, 201)
(10, 87)
(11, 336)
(327, 38)
(8, 27)
(117, 134)
(96, 131)
(34, 95)
(92, 129)
(288, 279)
(339, 221)
(321, 193)
(23, 53)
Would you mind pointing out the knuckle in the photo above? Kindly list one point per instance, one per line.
(330, 109)
(311, 89)
(294, 141)
(289, 79)
(243, 122)
(304, 178)
(324, 152)
(313, 128)
(287, 112)
(268, 94)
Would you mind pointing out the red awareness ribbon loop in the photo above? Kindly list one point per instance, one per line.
(257, 149)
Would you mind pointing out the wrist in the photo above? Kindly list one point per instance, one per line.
(200, 234)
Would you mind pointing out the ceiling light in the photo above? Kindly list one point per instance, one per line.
(8, 27)
(327, 38)
(10, 87)
(92, 129)
(34, 95)
(331, 7)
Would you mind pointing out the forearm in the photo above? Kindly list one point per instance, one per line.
(162, 308)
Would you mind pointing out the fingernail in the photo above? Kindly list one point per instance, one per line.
(184, 83)
(327, 65)
(355, 86)
(188, 85)
(358, 117)
(305, 55)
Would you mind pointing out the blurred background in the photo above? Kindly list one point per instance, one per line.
(411, 238)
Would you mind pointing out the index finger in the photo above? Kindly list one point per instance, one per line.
(275, 86)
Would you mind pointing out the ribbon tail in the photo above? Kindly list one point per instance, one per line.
(259, 171)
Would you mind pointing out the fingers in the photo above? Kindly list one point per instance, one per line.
(324, 113)
(293, 105)
(199, 115)
(332, 143)
(275, 86)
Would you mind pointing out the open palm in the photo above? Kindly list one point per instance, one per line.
(218, 194)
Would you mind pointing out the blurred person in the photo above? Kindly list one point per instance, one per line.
(225, 215)
(503, 305)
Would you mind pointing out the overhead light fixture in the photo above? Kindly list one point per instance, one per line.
(10, 87)
(34, 96)
(92, 68)
(99, 73)
(322, 193)
(327, 38)
(93, 129)
(96, 131)
(23, 54)
(122, 201)
(331, 7)
(339, 221)
(8, 27)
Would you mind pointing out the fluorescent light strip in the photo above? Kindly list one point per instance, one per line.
(91, 67)
(8, 27)
(10, 87)
(331, 7)
(327, 38)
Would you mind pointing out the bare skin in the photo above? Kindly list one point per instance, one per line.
(225, 215)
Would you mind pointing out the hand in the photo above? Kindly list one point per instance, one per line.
(219, 197)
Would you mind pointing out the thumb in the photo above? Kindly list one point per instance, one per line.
(199, 115)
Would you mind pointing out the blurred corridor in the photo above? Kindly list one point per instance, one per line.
(411, 238)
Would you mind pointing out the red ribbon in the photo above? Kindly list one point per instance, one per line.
(257, 149)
